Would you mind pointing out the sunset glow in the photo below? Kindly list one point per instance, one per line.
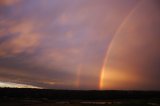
(15, 85)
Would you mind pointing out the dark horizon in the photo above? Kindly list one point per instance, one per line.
(48, 97)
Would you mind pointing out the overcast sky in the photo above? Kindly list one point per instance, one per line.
(80, 44)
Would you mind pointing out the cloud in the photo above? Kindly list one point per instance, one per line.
(16, 85)
(9, 2)
(19, 38)
(54, 38)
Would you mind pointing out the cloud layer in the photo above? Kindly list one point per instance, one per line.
(62, 44)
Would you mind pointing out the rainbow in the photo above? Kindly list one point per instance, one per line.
(104, 68)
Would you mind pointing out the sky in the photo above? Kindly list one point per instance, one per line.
(80, 44)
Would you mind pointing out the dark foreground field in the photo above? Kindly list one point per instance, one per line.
(41, 97)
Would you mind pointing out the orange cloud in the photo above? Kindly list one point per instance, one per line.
(9, 2)
(24, 40)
